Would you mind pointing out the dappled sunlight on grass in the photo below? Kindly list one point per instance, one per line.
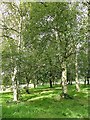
(0, 99)
(85, 90)
(41, 97)
(38, 94)
(69, 113)
(47, 103)
(6, 97)
(46, 92)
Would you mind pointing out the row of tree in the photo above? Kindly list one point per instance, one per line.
(44, 42)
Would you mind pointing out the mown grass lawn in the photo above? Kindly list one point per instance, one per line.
(46, 103)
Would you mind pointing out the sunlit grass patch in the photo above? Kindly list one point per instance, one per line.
(46, 103)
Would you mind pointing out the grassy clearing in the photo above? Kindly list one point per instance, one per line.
(46, 103)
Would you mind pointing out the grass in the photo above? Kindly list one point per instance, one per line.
(46, 103)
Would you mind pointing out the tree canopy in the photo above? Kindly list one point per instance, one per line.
(44, 42)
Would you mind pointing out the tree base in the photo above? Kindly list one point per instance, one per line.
(27, 91)
(66, 96)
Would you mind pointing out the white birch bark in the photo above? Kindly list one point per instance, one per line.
(64, 78)
(14, 85)
(76, 78)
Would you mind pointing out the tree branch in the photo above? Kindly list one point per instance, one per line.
(5, 28)
(7, 37)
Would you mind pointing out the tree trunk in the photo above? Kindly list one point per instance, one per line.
(50, 81)
(15, 86)
(37, 81)
(88, 76)
(42, 83)
(53, 82)
(71, 82)
(27, 89)
(64, 79)
(34, 85)
(34, 82)
(76, 78)
(87, 81)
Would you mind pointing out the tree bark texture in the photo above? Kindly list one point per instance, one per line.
(76, 78)
(64, 78)
(14, 85)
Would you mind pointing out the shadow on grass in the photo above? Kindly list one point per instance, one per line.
(46, 103)
(39, 94)
(46, 108)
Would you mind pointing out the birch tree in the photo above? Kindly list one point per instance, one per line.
(12, 31)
